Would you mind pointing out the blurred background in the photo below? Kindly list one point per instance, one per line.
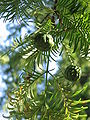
(7, 74)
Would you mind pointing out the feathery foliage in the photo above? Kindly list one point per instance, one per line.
(61, 27)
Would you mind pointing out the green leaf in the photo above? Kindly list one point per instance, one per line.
(79, 91)
(79, 102)
(76, 43)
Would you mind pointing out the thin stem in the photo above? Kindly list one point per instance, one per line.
(69, 55)
(47, 69)
(54, 8)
